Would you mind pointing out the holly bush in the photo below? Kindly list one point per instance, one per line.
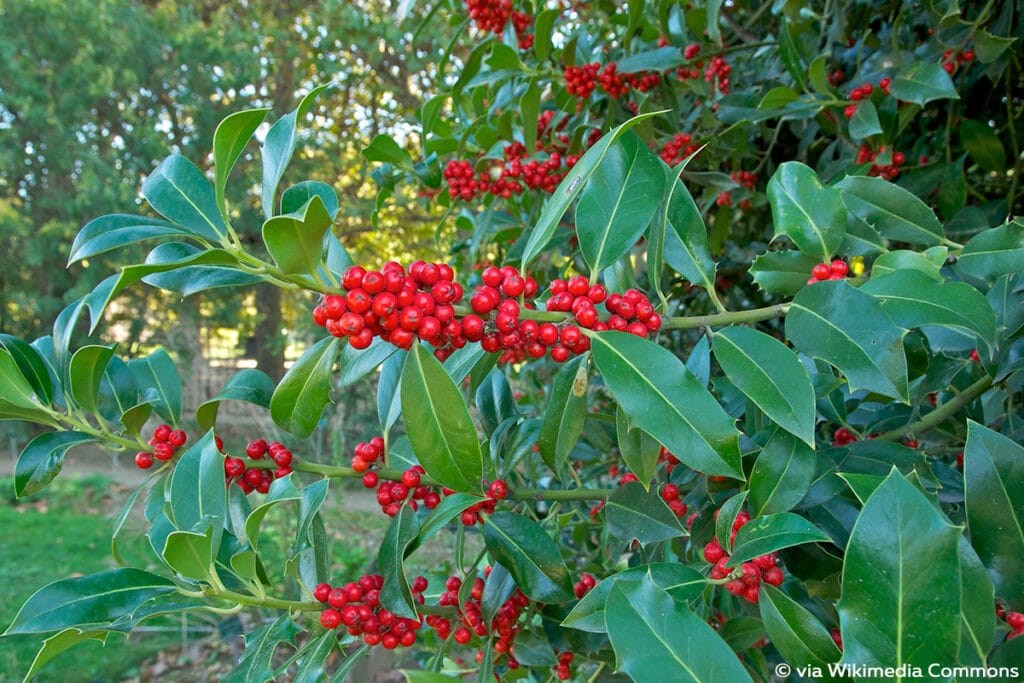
(716, 374)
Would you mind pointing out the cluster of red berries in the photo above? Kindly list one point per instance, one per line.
(644, 81)
(888, 171)
(613, 83)
(490, 16)
(749, 575)
(356, 606)
(1015, 620)
(497, 490)
(584, 585)
(471, 621)
(165, 442)
(836, 270)
(717, 74)
(863, 92)
(520, 22)
(580, 81)
(685, 73)
(259, 478)
(563, 670)
(671, 461)
(745, 179)
(951, 61)
(670, 494)
(365, 454)
(396, 306)
(391, 495)
(843, 437)
(518, 174)
(677, 149)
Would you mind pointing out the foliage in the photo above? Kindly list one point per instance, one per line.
(792, 433)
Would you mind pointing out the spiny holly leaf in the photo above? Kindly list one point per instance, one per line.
(635, 513)
(893, 211)
(806, 211)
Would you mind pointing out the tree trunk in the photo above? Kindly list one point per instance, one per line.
(268, 348)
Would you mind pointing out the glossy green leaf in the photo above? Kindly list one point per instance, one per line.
(912, 299)
(296, 240)
(806, 211)
(389, 398)
(529, 554)
(769, 374)
(85, 373)
(894, 212)
(921, 83)
(782, 272)
(42, 458)
(300, 194)
(118, 392)
(313, 660)
(900, 260)
(725, 520)
(179, 192)
(395, 595)
(618, 202)
(661, 397)
(278, 147)
(281, 491)
(681, 582)
(782, 474)
(229, 140)
(542, 28)
(383, 148)
(337, 259)
(994, 497)
(117, 230)
(565, 414)
(632, 512)
(17, 397)
(769, 533)
(864, 123)
(570, 188)
(844, 326)
(167, 267)
(686, 244)
(249, 385)
(358, 363)
(982, 144)
(123, 515)
(447, 510)
(31, 366)
(60, 642)
(190, 553)
(901, 580)
(438, 423)
(198, 494)
(990, 47)
(159, 383)
(494, 401)
(257, 663)
(498, 587)
(993, 253)
(305, 390)
(94, 600)
(638, 449)
(801, 639)
(977, 596)
(656, 638)
(529, 112)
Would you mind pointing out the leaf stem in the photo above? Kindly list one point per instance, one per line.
(729, 318)
(940, 414)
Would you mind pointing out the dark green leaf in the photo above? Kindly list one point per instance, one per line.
(901, 579)
(921, 83)
(118, 392)
(542, 33)
(686, 244)
(383, 148)
(994, 493)
(983, 145)
(278, 147)
(305, 390)
(179, 192)
(97, 599)
(191, 553)
(666, 401)
(806, 211)
(929, 263)
(976, 599)
(17, 398)
(894, 212)
(565, 414)
(638, 449)
(782, 474)
(230, 138)
(117, 230)
(634, 513)
(993, 253)
(725, 520)
(864, 123)
(159, 383)
(60, 642)
(494, 401)
(657, 59)
(782, 272)
(313, 658)
(358, 363)
(197, 490)
(656, 638)
(800, 638)
(257, 663)
(990, 47)
(769, 374)
(42, 459)
(85, 373)
(499, 586)
(530, 556)
(389, 398)
(299, 194)
(395, 595)
(768, 533)
(449, 508)
(438, 423)
(281, 491)
(31, 366)
(844, 326)
(296, 240)
(249, 385)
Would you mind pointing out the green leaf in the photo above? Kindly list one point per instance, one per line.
(383, 148)
(249, 385)
(656, 638)
(341, 675)
(94, 600)
(438, 423)
(389, 398)
(921, 83)
(570, 188)
(529, 554)
(809, 213)
(681, 582)
(257, 663)
(903, 259)
(314, 656)
(281, 491)
(901, 579)
(498, 587)
(725, 520)
(994, 498)
(782, 474)
(635, 513)
(782, 272)
(179, 192)
(358, 363)
(17, 397)
(977, 595)
(983, 145)
(305, 390)
(198, 494)
(85, 373)
(159, 383)
(296, 240)
(118, 392)
(618, 202)
(542, 30)
(638, 449)
(993, 253)
(657, 59)
(844, 326)
(801, 639)
(449, 507)
(686, 245)
(891, 210)
(299, 194)
(565, 413)
(769, 374)
(395, 595)
(529, 112)
(31, 366)
(494, 401)
(768, 533)
(864, 123)
(912, 299)
(190, 553)
(229, 140)
(116, 230)
(278, 147)
(662, 398)
(172, 266)
(990, 47)
(60, 642)
(42, 458)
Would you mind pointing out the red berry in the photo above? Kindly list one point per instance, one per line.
(162, 432)
(498, 489)
(234, 467)
(321, 592)
(462, 635)
(163, 451)
(330, 618)
(821, 271)
(1015, 620)
(370, 480)
(144, 460)
(838, 267)
(411, 478)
